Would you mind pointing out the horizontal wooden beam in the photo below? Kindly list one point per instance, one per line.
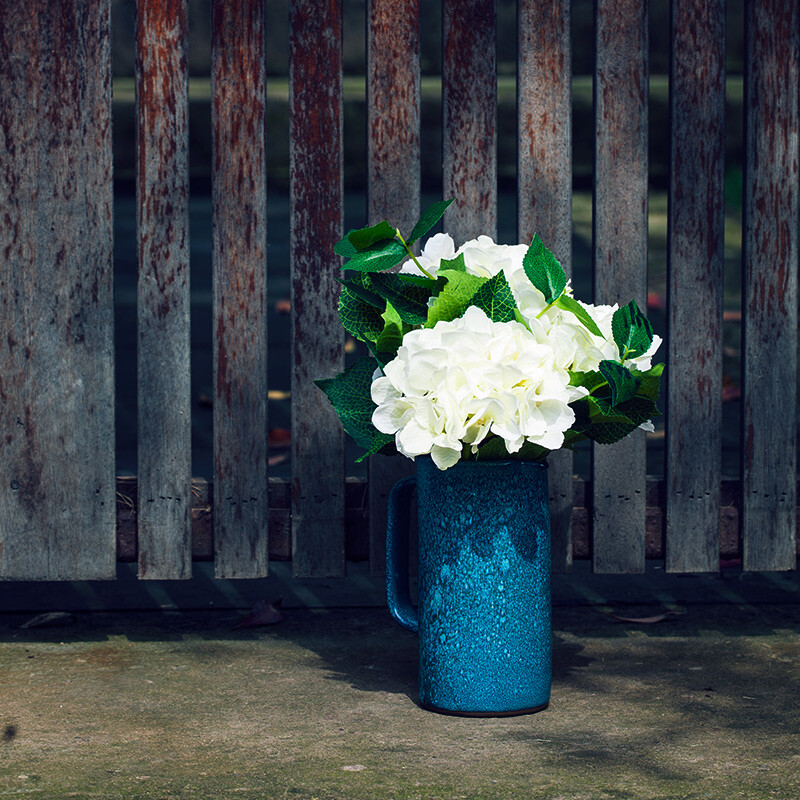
(357, 519)
(280, 534)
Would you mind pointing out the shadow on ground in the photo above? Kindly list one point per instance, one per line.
(178, 705)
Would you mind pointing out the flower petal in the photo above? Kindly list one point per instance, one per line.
(445, 457)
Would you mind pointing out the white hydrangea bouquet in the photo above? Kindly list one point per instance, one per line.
(482, 352)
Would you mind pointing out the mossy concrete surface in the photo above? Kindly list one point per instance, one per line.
(702, 704)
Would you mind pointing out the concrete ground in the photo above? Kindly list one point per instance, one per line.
(698, 698)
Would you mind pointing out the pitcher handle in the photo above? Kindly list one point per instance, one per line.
(397, 532)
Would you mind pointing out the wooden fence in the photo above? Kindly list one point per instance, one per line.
(63, 515)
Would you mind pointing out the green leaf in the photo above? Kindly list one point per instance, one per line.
(531, 452)
(411, 302)
(359, 318)
(344, 248)
(651, 381)
(624, 385)
(359, 283)
(456, 264)
(377, 257)
(417, 280)
(382, 444)
(633, 333)
(639, 409)
(493, 448)
(391, 337)
(363, 238)
(589, 380)
(360, 239)
(496, 299)
(349, 393)
(391, 316)
(597, 420)
(569, 303)
(388, 343)
(429, 218)
(544, 271)
(455, 296)
(600, 419)
(519, 318)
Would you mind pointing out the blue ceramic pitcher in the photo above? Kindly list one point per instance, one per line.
(483, 610)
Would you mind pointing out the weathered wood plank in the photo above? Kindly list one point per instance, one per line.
(770, 284)
(544, 187)
(316, 223)
(620, 258)
(469, 109)
(393, 188)
(57, 512)
(162, 191)
(393, 111)
(695, 260)
(239, 283)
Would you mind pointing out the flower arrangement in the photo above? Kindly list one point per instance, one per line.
(483, 352)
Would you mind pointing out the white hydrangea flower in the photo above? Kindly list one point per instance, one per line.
(575, 347)
(606, 348)
(460, 381)
(484, 257)
(439, 247)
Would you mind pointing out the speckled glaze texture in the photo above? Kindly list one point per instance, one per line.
(485, 641)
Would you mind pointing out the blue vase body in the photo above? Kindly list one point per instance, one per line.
(483, 611)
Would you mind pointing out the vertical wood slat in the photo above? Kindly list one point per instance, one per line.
(620, 258)
(393, 187)
(770, 285)
(316, 223)
(57, 487)
(696, 275)
(239, 284)
(469, 108)
(544, 188)
(162, 189)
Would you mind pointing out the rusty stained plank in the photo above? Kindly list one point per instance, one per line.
(620, 258)
(695, 260)
(57, 515)
(544, 187)
(239, 284)
(162, 190)
(770, 285)
(393, 109)
(469, 109)
(393, 188)
(316, 222)
(544, 107)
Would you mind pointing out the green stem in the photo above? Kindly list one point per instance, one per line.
(548, 307)
(413, 257)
